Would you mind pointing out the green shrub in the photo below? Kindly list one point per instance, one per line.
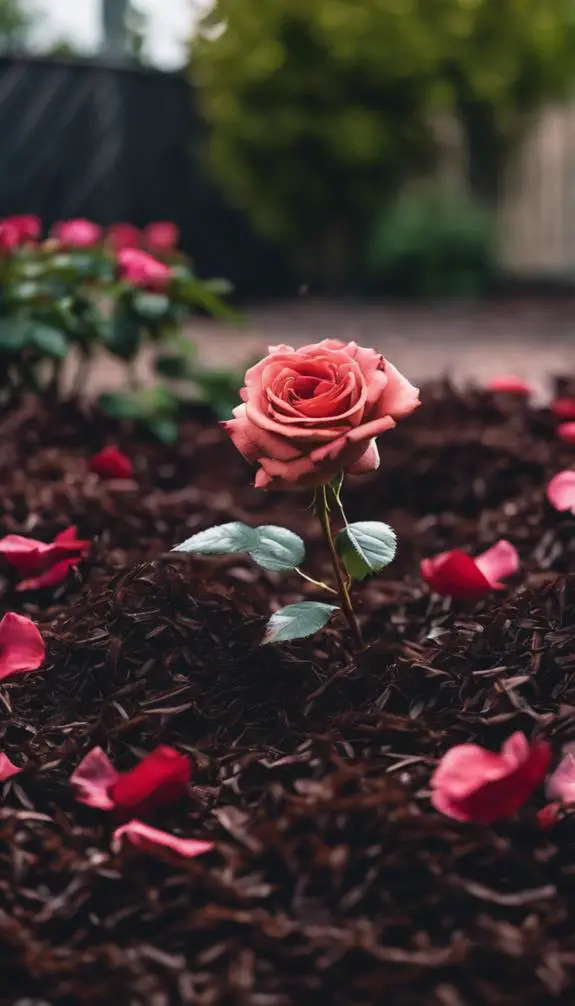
(432, 242)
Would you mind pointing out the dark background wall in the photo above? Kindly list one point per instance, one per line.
(79, 138)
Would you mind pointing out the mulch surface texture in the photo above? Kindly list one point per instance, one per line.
(333, 881)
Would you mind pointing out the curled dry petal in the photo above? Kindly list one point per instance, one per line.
(474, 784)
(456, 574)
(111, 463)
(566, 432)
(7, 768)
(21, 645)
(561, 491)
(93, 780)
(509, 384)
(153, 840)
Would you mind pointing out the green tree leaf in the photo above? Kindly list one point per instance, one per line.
(50, 341)
(224, 539)
(296, 621)
(277, 549)
(366, 547)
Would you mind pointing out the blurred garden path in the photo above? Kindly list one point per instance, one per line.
(530, 337)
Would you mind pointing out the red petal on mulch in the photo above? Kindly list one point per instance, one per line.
(93, 780)
(510, 384)
(473, 784)
(29, 556)
(456, 574)
(563, 408)
(7, 768)
(566, 432)
(111, 463)
(53, 577)
(153, 840)
(548, 816)
(159, 780)
(561, 491)
(21, 645)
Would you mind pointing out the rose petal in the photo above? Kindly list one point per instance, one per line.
(93, 779)
(159, 780)
(111, 463)
(473, 784)
(561, 784)
(563, 408)
(150, 839)
(509, 384)
(566, 432)
(561, 491)
(7, 768)
(162, 235)
(22, 648)
(498, 562)
(455, 574)
(548, 816)
(400, 397)
(368, 462)
(52, 577)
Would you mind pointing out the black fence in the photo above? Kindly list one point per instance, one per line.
(80, 138)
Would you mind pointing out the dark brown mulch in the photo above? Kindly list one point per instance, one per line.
(333, 880)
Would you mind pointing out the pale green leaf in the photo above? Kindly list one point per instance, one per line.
(366, 547)
(224, 539)
(297, 621)
(277, 549)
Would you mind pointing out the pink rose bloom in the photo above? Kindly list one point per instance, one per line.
(77, 233)
(9, 237)
(28, 226)
(163, 235)
(311, 413)
(473, 784)
(141, 269)
(123, 235)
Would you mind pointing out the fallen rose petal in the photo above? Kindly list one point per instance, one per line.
(111, 463)
(93, 779)
(548, 816)
(563, 408)
(566, 432)
(509, 384)
(498, 562)
(7, 768)
(160, 779)
(52, 577)
(30, 556)
(456, 574)
(561, 783)
(474, 784)
(153, 840)
(22, 648)
(561, 491)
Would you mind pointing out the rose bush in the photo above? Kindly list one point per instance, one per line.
(310, 413)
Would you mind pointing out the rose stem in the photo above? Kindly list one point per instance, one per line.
(322, 510)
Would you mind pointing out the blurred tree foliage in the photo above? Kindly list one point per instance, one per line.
(15, 19)
(321, 108)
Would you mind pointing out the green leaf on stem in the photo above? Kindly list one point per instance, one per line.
(277, 549)
(366, 547)
(123, 339)
(296, 621)
(223, 539)
(50, 341)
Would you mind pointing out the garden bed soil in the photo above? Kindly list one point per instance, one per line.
(332, 881)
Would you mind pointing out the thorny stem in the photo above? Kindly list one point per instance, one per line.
(322, 510)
